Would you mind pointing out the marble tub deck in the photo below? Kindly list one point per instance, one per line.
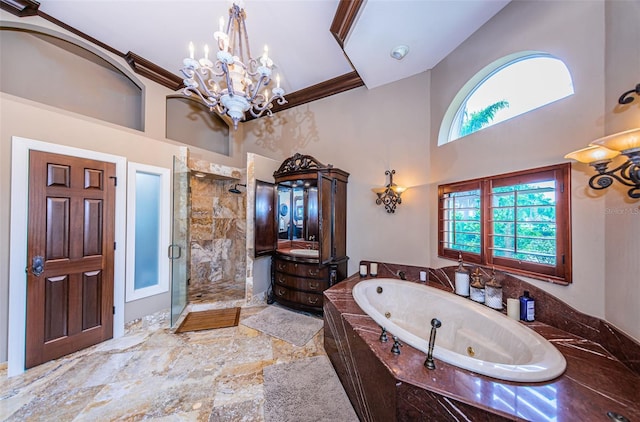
(151, 373)
(594, 383)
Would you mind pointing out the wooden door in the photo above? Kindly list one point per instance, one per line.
(70, 255)
(265, 226)
(340, 219)
(325, 188)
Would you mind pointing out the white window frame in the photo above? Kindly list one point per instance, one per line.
(164, 227)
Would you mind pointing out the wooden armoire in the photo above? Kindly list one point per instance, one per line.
(301, 220)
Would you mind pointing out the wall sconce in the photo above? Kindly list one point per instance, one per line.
(390, 194)
(599, 154)
(626, 97)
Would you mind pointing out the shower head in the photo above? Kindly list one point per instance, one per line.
(235, 189)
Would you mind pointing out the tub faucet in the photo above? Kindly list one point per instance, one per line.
(402, 275)
(429, 363)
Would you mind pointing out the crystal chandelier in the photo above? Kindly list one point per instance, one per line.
(236, 82)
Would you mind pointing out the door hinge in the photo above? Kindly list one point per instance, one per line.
(114, 246)
(563, 258)
(114, 310)
(562, 188)
(115, 180)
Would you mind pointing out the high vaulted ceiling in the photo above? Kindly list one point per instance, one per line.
(296, 31)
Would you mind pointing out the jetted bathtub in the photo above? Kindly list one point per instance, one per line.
(472, 336)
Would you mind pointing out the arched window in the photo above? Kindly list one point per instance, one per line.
(508, 87)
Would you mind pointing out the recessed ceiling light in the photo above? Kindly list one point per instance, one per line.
(399, 52)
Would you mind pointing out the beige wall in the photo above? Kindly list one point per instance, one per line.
(347, 129)
(366, 132)
(28, 119)
(605, 242)
(622, 215)
(542, 136)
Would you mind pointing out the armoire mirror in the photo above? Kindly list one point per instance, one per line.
(298, 210)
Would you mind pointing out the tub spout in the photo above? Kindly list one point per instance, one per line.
(402, 275)
(429, 363)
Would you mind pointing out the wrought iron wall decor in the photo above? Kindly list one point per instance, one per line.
(390, 194)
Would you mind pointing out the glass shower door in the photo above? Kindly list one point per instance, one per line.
(179, 250)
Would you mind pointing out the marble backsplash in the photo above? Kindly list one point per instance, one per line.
(549, 309)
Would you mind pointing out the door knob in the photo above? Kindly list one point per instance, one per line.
(37, 267)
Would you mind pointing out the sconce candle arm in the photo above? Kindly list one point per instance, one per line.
(629, 175)
(626, 97)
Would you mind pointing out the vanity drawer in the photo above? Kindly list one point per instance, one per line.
(306, 284)
(302, 270)
(302, 298)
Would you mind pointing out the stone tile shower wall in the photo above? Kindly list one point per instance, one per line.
(218, 234)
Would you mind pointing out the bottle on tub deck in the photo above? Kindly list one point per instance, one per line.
(462, 279)
(527, 307)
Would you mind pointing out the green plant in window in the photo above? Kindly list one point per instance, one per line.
(524, 224)
(476, 120)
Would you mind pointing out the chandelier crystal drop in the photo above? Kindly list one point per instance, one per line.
(236, 82)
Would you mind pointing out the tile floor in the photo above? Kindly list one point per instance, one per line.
(151, 373)
(216, 291)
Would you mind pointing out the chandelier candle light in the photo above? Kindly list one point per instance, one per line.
(236, 82)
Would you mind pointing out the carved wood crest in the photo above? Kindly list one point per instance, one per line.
(299, 162)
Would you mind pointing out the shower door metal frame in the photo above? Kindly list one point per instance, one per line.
(179, 251)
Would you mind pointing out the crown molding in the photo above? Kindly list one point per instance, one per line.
(344, 18)
(318, 91)
(20, 8)
(340, 27)
(154, 72)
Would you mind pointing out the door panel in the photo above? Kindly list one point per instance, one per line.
(56, 298)
(71, 232)
(325, 188)
(57, 228)
(92, 227)
(266, 234)
(91, 299)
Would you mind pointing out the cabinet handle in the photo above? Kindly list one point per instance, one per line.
(313, 272)
(281, 292)
(313, 286)
(312, 300)
(281, 266)
(281, 279)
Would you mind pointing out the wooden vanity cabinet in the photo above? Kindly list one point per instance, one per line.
(304, 208)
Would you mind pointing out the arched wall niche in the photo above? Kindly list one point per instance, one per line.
(48, 67)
